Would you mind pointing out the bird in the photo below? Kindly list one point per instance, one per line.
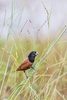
(28, 62)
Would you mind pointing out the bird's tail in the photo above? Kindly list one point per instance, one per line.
(17, 69)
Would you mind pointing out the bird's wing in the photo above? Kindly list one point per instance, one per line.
(25, 65)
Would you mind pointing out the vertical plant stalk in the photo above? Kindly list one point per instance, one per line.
(12, 14)
(6, 71)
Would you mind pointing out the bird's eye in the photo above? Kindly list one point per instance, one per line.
(34, 52)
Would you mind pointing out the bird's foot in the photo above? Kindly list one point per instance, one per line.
(26, 75)
(32, 67)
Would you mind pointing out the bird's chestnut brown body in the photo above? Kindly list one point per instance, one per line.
(26, 64)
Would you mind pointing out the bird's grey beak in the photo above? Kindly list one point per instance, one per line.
(37, 53)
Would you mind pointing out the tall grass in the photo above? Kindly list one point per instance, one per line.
(49, 81)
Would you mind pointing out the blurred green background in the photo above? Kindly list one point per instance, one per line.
(39, 26)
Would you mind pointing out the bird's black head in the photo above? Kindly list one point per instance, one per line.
(32, 56)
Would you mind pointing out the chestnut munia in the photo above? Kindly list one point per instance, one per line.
(28, 62)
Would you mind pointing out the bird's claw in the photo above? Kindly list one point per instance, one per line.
(26, 75)
(32, 67)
